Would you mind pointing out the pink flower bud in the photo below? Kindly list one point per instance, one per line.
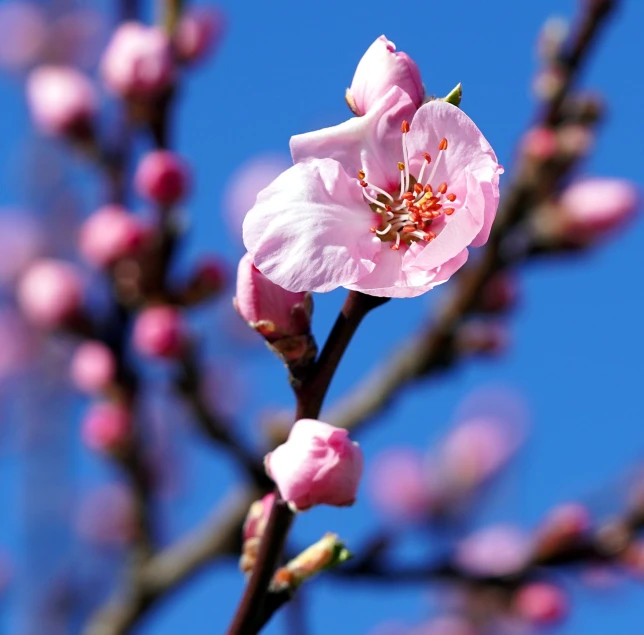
(137, 63)
(592, 207)
(269, 309)
(541, 603)
(208, 278)
(400, 484)
(106, 427)
(93, 367)
(50, 293)
(162, 177)
(159, 332)
(318, 465)
(380, 69)
(62, 100)
(257, 517)
(198, 33)
(567, 521)
(499, 550)
(110, 234)
(539, 143)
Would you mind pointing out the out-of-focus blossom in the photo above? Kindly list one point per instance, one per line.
(247, 182)
(198, 33)
(162, 177)
(590, 208)
(499, 294)
(50, 293)
(62, 100)
(551, 38)
(476, 449)
(78, 37)
(21, 241)
(257, 517)
(106, 516)
(110, 234)
(266, 307)
(137, 63)
(23, 33)
(563, 526)
(106, 426)
(540, 143)
(483, 337)
(401, 484)
(574, 140)
(17, 347)
(498, 550)
(380, 69)
(159, 331)
(541, 603)
(313, 228)
(93, 367)
(318, 465)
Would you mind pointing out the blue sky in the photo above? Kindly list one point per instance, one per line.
(577, 350)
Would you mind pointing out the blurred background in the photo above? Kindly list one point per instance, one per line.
(562, 385)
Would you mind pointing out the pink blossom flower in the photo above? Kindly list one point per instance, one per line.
(110, 234)
(62, 100)
(368, 208)
(162, 177)
(494, 551)
(381, 68)
(199, 31)
(50, 292)
(106, 427)
(257, 517)
(266, 307)
(592, 207)
(541, 603)
(159, 332)
(400, 484)
(93, 367)
(137, 63)
(318, 465)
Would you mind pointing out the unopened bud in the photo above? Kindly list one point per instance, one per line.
(206, 280)
(199, 31)
(541, 603)
(159, 332)
(551, 38)
(499, 294)
(93, 367)
(327, 553)
(539, 144)
(162, 177)
(253, 530)
(380, 69)
(282, 317)
(107, 427)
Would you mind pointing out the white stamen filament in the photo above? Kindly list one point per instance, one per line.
(433, 172)
(382, 232)
(372, 199)
(405, 160)
(380, 191)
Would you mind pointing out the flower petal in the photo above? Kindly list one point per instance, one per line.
(459, 231)
(371, 143)
(309, 229)
(491, 194)
(389, 280)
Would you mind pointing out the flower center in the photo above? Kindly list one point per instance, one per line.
(407, 216)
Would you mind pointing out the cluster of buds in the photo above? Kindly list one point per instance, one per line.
(282, 317)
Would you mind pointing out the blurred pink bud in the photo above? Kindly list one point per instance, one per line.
(257, 517)
(106, 427)
(208, 278)
(93, 367)
(400, 485)
(247, 182)
(162, 177)
(575, 140)
(266, 307)
(318, 465)
(21, 241)
(499, 550)
(541, 603)
(110, 234)
(380, 69)
(23, 33)
(199, 31)
(137, 63)
(159, 332)
(592, 207)
(62, 100)
(476, 449)
(539, 143)
(106, 516)
(551, 38)
(50, 293)
(499, 294)
(567, 521)
(547, 83)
